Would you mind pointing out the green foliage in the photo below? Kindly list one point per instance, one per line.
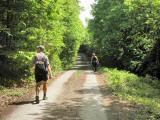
(13, 93)
(126, 34)
(75, 33)
(15, 68)
(140, 90)
(26, 24)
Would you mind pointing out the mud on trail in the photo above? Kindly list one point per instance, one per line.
(78, 94)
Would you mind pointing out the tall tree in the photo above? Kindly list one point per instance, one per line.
(125, 33)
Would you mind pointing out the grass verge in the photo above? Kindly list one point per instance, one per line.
(16, 94)
(143, 91)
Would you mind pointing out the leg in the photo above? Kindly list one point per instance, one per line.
(95, 68)
(37, 91)
(96, 65)
(44, 89)
(38, 88)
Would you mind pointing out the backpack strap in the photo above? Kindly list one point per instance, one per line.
(40, 59)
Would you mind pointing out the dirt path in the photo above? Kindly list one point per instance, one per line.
(78, 94)
(92, 108)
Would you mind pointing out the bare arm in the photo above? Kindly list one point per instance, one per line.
(50, 71)
(33, 62)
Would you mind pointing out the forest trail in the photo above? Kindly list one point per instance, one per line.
(78, 94)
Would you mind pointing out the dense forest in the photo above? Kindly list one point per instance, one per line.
(24, 24)
(126, 34)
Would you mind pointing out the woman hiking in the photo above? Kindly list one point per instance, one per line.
(41, 69)
(94, 62)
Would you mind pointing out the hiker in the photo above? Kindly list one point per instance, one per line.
(42, 68)
(94, 62)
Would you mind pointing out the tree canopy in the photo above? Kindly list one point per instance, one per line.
(126, 34)
(24, 24)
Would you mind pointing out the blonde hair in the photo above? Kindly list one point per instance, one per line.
(93, 54)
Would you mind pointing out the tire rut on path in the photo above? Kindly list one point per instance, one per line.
(69, 102)
(92, 108)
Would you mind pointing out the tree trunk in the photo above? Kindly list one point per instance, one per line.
(7, 23)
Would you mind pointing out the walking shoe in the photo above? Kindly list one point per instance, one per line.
(37, 99)
(44, 97)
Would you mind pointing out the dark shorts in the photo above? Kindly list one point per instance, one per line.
(41, 77)
(94, 64)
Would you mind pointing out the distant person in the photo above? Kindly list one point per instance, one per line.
(94, 62)
(41, 68)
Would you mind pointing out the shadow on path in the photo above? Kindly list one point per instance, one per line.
(24, 102)
(71, 108)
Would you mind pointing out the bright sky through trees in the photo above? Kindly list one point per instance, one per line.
(86, 12)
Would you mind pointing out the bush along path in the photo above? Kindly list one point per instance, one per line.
(142, 92)
(78, 94)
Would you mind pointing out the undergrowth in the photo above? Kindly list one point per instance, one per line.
(144, 91)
